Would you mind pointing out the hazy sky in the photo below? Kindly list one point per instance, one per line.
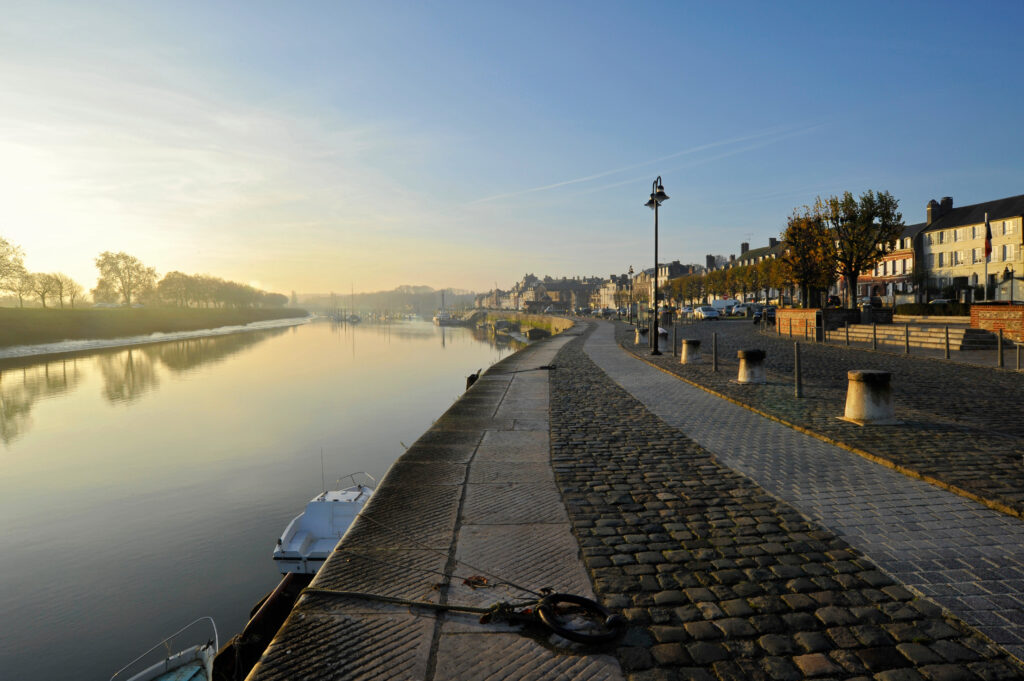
(314, 146)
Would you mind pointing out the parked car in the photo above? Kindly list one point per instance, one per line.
(833, 301)
(706, 312)
(686, 312)
(767, 313)
(941, 301)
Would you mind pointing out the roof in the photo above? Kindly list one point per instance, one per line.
(911, 231)
(999, 209)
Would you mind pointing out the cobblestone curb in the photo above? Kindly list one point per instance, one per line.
(961, 424)
(717, 578)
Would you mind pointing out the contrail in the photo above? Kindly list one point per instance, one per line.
(588, 178)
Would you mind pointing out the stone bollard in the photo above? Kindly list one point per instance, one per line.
(869, 398)
(751, 366)
(691, 352)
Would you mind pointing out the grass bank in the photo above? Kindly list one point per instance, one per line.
(29, 326)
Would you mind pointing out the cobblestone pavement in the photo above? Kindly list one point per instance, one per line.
(962, 424)
(718, 578)
(968, 558)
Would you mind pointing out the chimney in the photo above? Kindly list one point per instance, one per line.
(947, 204)
(772, 242)
(709, 262)
(744, 247)
(732, 257)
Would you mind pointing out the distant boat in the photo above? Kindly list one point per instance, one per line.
(353, 319)
(444, 318)
(312, 535)
(194, 663)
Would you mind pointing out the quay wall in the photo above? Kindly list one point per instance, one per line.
(1008, 318)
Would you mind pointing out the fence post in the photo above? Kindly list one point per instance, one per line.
(906, 339)
(798, 383)
(874, 335)
(947, 341)
(1000, 349)
(714, 351)
(1018, 356)
(674, 328)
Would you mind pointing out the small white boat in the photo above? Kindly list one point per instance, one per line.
(194, 663)
(313, 534)
(444, 318)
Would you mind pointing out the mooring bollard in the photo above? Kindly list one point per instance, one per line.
(798, 384)
(869, 398)
(906, 339)
(999, 348)
(847, 332)
(874, 336)
(714, 351)
(751, 366)
(947, 342)
(690, 352)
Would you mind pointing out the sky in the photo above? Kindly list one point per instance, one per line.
(335, 146)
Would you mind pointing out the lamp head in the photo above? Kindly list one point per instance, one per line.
(651, 203)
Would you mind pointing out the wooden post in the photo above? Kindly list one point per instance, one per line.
(798, 384)
(714, 351)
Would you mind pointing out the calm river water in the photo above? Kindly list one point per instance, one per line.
(142, 488)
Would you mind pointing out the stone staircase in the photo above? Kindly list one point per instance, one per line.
(921, 336)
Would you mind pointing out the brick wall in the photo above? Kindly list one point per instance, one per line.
(796, 322)
(1009, 318)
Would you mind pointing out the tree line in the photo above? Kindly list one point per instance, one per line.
(125, 280)
(836, 237)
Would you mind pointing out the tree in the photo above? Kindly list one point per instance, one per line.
(23, 285)
(864, 230)
(810, 255)
(125, 275)
(12, 265)
(74, 291)
(63, 284)
(44, 285)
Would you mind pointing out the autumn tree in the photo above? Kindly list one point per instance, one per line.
(125, 275)
(864, 230)
(810, 254)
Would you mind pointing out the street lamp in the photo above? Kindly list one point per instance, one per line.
(631, 294)
(658, 197)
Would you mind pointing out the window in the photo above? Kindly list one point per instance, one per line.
(904, 266)
(1010, 224)
(941, 259)
(942, 236)
(974, 232)
(956, 235)
(885, 269)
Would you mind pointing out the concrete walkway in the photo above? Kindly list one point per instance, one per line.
(475, 495)
(965, 557)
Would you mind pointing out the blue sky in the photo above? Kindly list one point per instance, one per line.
(311, 146)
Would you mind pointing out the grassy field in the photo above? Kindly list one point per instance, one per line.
(28, 326)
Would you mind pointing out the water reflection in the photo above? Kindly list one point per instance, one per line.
(127, 374)
(21, 387)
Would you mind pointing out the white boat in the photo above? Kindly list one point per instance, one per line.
(444, 318)
(194, 663)
(313, 534)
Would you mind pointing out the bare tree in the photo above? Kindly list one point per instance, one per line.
(24, 285)
(125, 275)
(74, 291)
(44, 285)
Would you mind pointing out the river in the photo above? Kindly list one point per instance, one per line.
(143, 487)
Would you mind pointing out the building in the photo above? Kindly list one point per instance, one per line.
(953, 243)
(894, 275)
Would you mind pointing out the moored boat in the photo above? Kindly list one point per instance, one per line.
(194, 663)
(312, 535)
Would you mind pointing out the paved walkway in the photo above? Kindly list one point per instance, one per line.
(475, 495)
(967, 558)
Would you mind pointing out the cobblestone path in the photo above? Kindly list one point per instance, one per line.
(718, 578)
(968, 558)
(962, 424)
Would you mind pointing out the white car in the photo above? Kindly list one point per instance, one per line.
(706, 312)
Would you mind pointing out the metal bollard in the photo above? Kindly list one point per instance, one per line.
(674, 340)
(947, 342)
(999, 354)
(798, 383)
(1018, 357)
(874, 336)
(906, 339)
(847, 333)
(714, 351)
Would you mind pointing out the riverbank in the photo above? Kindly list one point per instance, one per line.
(34, 326)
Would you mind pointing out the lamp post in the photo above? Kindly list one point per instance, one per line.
(630, 294)
(658, 197)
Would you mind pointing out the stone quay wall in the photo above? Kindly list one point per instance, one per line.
(1008, 318)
